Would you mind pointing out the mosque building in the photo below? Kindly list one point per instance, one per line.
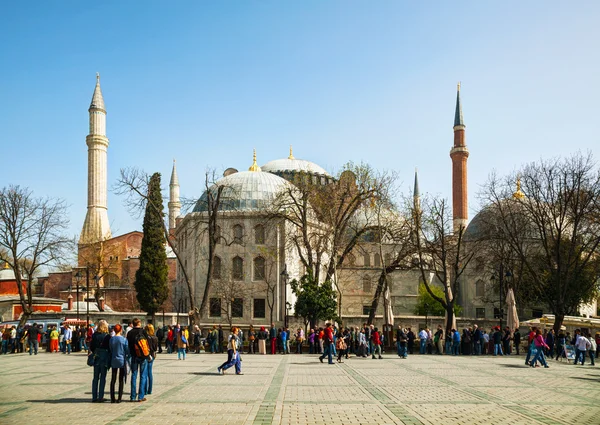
(251, 255)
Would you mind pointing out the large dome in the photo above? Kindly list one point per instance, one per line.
(245, 191)
(293, 165)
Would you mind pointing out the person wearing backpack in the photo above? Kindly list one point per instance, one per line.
(136, 340)
(181, 342)
(99, 348)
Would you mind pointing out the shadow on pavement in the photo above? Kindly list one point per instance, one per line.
(63, 400)
(203, 373)
(515, 366)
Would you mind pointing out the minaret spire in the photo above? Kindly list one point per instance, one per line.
(174, 202)
(417, 200)
(459, 154)
(96, 227)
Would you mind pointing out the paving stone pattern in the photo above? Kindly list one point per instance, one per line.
(298, 389)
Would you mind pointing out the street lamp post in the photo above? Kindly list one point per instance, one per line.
(78, 279)
(285, 276)
(501, 276)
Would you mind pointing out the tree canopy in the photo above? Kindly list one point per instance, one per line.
(314, 302)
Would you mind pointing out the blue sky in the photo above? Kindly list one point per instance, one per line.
(206, 82)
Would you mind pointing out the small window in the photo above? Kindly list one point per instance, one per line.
(259, 308)
(259, 268)
(238, 234)
(366, 310)
(215, 307)
(238, 268)
(367, 260)
(480, 288)
(351, 259)
(377, 260)
(366, 283)
(216, 272)
(237, 307)
(480, 313)
(498, 313)
(259, 234)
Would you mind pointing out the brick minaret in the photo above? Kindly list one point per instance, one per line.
(459, 154)
(96, 227)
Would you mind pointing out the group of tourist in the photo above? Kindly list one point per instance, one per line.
(132, 350)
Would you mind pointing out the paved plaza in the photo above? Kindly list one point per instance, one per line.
(297, 389)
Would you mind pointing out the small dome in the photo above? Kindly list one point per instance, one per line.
(293, 165)
(6, 273)
(245, 191)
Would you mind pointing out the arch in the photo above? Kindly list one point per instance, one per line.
(377, 260)
(237, 268)
(259, 234)
(111, 280)
(366, 284)
(238, 234)
(216, 271)
(367, 260)
(259, 268)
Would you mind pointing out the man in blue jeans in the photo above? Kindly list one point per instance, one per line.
(455, 342)
(138, 364)
(327, 345)
(423, 341)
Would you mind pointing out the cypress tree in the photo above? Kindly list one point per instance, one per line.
(151, 279)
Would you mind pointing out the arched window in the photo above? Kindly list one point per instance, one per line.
(351, 260)
(479, 288)
(367, 260)
(238, 268)
(218, 234)
(111, 280)
(238, 234)
(377, 260)
(216, 272)
(259, 268)
(366, 283)
(259, 234)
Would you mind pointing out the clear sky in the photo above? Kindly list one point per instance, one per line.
(206, 82)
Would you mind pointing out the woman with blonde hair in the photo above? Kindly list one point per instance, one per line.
(153, 345)
(99, 348)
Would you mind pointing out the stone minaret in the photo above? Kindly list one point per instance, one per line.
(417, 202)
(174, 204)
(459, 154)
(96, 227)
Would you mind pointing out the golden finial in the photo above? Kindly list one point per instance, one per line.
(519, 193)
(6, 265)
(458, 86)
(291, 153)
(254, 166)
(97, 77)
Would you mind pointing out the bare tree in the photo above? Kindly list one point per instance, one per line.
(322, 220)
(553, 228)
(441, 252)
(31, 237)
(231, 294)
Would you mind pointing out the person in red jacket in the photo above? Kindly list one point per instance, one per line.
(375, 338)
(327, 344)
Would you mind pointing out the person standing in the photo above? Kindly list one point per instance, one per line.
(119, 350)
(455, 342)
(593, 348)
(32, 339)
(437, 340)
(139, 363)
(477, 337)
(327, 344)
(311, 341)
(376, 340)
(153, 345)
(401, 341)
(550, 342)
(581, 347)
(273, 338)
(99, 348)
(54, 340)
(170, 340)
(262, 340)
(251, 339)
(341, 348)
(181, 342)
(422, 341)
(506, 341)
(517, 340)
(410, 338)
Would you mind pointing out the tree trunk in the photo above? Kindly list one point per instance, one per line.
(558, 321)
(450, 317)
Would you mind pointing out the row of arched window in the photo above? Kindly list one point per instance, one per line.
(238, 234)
(237, 268)
(367, 260)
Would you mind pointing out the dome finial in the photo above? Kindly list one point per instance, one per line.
(519, 193)
(291, 153)
(254, 166)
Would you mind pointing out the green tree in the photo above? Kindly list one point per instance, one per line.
(429, 306)
(151, 279)
(314, 302)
